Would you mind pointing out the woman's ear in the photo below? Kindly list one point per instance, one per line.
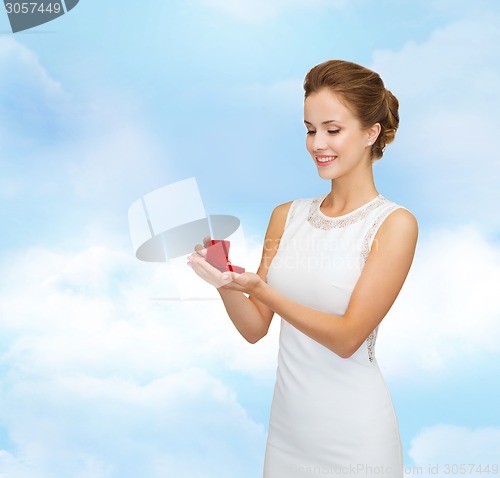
(373, 133)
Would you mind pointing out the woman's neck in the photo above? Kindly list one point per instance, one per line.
(348, 194)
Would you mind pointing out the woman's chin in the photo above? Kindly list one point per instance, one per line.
(326, 175)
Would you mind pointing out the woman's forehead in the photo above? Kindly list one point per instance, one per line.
(326, 106)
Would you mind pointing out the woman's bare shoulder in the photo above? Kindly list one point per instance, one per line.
(281, 211)
(401, 218)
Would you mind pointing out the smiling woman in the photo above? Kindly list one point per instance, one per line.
(332, 266)
(363, 93)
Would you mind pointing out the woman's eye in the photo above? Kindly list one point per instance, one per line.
(330, 131)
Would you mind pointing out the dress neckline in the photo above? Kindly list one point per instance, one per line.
(321, 221)
(354, 211)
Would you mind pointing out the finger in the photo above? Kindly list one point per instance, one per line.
(200, 249)
(194, 260)
(201, 264)
(207, 241)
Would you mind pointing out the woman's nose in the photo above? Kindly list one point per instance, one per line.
(319, 142)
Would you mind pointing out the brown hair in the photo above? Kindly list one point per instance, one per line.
(364, 94)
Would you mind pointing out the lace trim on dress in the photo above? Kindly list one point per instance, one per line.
(365, 251)
(365, 248)
(291, 213)
(370, 342)
(318, 220)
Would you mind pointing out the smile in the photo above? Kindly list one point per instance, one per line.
(325, 160)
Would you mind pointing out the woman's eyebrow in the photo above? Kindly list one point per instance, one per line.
(324, 122)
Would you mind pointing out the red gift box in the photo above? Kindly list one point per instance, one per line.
(218, 256)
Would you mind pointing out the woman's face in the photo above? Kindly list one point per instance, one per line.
(335, 139)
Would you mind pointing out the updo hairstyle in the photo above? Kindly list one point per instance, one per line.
(363, 92)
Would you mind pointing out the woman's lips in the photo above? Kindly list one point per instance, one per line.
(325, 160)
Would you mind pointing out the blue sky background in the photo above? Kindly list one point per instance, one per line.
(110, 102)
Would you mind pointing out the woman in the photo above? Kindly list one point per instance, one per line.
(331, 267)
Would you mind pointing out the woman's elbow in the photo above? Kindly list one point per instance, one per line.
(347, 349)
(345, 353)
(255, 337)
(252, 340)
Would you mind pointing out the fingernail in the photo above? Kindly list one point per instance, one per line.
(225, 277)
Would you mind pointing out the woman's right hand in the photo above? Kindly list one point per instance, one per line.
(197, 261)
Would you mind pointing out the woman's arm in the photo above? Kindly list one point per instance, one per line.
(376, 290)
(250, 316)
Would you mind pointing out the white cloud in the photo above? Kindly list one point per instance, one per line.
(92, 312)
(455, 451)
(183, 424)
(447, 86)
(21, 64)
(101, 381)
(447, 313)
(33, 104)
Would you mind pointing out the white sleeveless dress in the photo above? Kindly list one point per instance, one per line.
(330, 416)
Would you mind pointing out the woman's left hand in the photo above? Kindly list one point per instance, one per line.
(248, 282)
